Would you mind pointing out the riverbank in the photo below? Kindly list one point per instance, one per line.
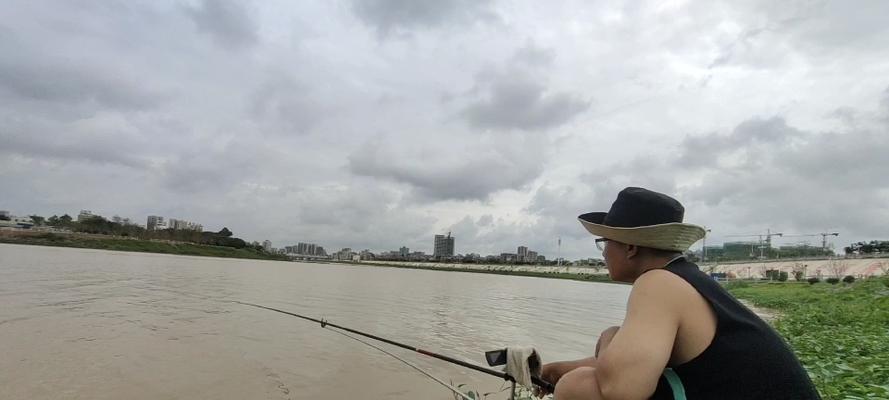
(135, 245)
(578, 273)
(840, 332)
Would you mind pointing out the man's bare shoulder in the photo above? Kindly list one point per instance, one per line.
(661, 288)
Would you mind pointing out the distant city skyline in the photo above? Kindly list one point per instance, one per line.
(444, 247)
(789, 240)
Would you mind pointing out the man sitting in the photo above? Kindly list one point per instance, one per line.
(683, 335)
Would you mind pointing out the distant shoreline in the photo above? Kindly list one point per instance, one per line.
(479, 269)
(101, 242)
(80, 241)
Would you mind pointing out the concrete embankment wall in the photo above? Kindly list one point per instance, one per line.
(824, 268)
(860, 267)
(495, 267)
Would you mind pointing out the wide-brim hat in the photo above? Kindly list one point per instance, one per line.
(644, 218)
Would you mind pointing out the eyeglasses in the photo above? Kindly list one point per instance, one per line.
(600, 243)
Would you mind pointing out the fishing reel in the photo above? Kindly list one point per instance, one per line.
(496, 357)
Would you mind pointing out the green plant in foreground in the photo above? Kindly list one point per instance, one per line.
(521, 393)
(840, 333)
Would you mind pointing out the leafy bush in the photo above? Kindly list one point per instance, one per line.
(833, 281)
(848, 279)
(736, 284)
(772, 274)
(798, 276)
(782, 277)
(813, 280)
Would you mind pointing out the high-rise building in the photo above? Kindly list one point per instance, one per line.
(444, 246)
(267, 245)
(307, 249)
(531, 257)
(155, 222)
(85, 215)
(404, 251)
(181, 224)
(344, 255)
(521, 254)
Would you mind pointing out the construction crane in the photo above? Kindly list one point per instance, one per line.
(768, 240)
(823, 235)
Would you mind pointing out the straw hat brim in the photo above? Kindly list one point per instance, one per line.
(675, 236)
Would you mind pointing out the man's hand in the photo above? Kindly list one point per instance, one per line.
(553, 371)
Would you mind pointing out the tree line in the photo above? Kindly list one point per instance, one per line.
(872, 247)
(100, 226)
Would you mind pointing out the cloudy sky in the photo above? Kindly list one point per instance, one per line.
(379, 123)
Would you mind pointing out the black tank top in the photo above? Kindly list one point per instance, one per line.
(747, 359)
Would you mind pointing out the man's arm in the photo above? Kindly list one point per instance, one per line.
(554, 371)
(631, 365)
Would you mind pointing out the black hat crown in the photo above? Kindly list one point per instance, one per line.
(635, 207)
(641, 207)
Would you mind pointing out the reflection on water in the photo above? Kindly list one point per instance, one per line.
(93, 324)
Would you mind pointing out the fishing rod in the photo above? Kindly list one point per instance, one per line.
(549, 387)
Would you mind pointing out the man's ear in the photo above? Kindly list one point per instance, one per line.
(632, 251)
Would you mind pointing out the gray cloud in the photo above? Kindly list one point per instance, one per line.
(28, 75)
(435, 174)
(485, 220)
(763, 174)
(217, 168)
(501, 236)
(72, 85)
(705, 150)
(282, 105)
(533, 55)
(520, 103)
(358, 215)
(822, 180)
(101, 140)
(884, 104)
(399, 16)
(228, 22)
(774, 33)
(516, 97)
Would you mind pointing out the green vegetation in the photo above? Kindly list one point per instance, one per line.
(874, 246)
(776, 275)
(146, 246)
(840, 332)
(521, 393)
(98, 225)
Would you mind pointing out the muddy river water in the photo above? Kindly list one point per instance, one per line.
(92, 324)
